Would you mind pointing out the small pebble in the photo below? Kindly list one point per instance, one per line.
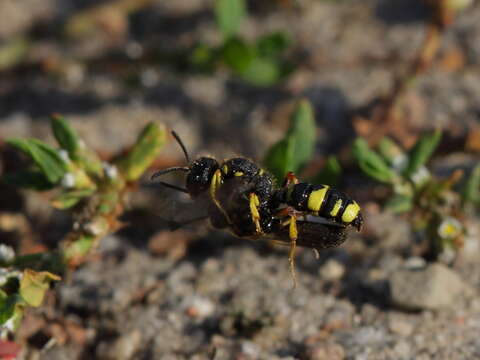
(124, 348)
(332, 270)
(369, 314)
(415, 262)
(399, 326)
(326, 350)
(368, 335)
(402, 350)
(250, 349)
(433, 287)
(199, 307)
(338, 318)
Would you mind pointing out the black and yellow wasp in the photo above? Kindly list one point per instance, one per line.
(243, 198)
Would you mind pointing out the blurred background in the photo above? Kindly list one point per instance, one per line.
(226, 75)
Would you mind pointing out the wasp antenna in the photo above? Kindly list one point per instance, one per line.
(169, 170)
(180, 142)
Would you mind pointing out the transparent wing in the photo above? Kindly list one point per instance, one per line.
(176, 208)
(312, 234)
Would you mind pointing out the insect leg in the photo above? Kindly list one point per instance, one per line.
(215, 183)
(290, 178)
(289, 211)
(293, 233)
(254, 203)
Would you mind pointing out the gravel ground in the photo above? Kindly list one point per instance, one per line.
(219, 297)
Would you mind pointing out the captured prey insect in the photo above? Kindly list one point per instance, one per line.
(243, 198)
(206, 175)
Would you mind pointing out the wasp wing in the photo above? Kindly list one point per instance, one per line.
(175, 208)
(312, 234)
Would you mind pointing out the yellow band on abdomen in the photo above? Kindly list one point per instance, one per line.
(350, 213)
(316, 198)
(336, 207)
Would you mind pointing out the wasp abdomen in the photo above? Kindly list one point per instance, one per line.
(324, 201)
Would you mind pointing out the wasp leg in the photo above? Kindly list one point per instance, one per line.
(289, 211)
(254, 203)
(290, 178)
(215, 183)
(293, 233)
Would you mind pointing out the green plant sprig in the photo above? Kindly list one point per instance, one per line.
(433, 205)
(260, 62)
(96, 190)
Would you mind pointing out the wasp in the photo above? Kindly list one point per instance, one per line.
(243, 198)
(307, 215)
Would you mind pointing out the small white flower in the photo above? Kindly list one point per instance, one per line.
(9, 324)
(6, 253)
(68, 180)
(6, 273)
(400, 162)
(3, 276)
(420, 176)
(450, 228)
(64, 155)
(110, 170)
(93, 228)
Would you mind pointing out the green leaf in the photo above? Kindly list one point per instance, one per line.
(400, 204)
(69, 140)
(330, 174)
(272, 45)
(51, 261)
(296, 149)
(7, 307)
(68, 199)
(229, 14)
(245, 61)
(471, 189)
(65, 135)
(303, 129)
(237, 54)
(44, 156)
(280, 157)
(11, 309)
(34, 285)
(371, 163)
(262, 72)
(391, 152)
(29, 179)
(78, 248)
(142, 154)
(422, 151)
(202, 58)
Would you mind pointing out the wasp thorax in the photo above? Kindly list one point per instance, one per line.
(239, 167)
